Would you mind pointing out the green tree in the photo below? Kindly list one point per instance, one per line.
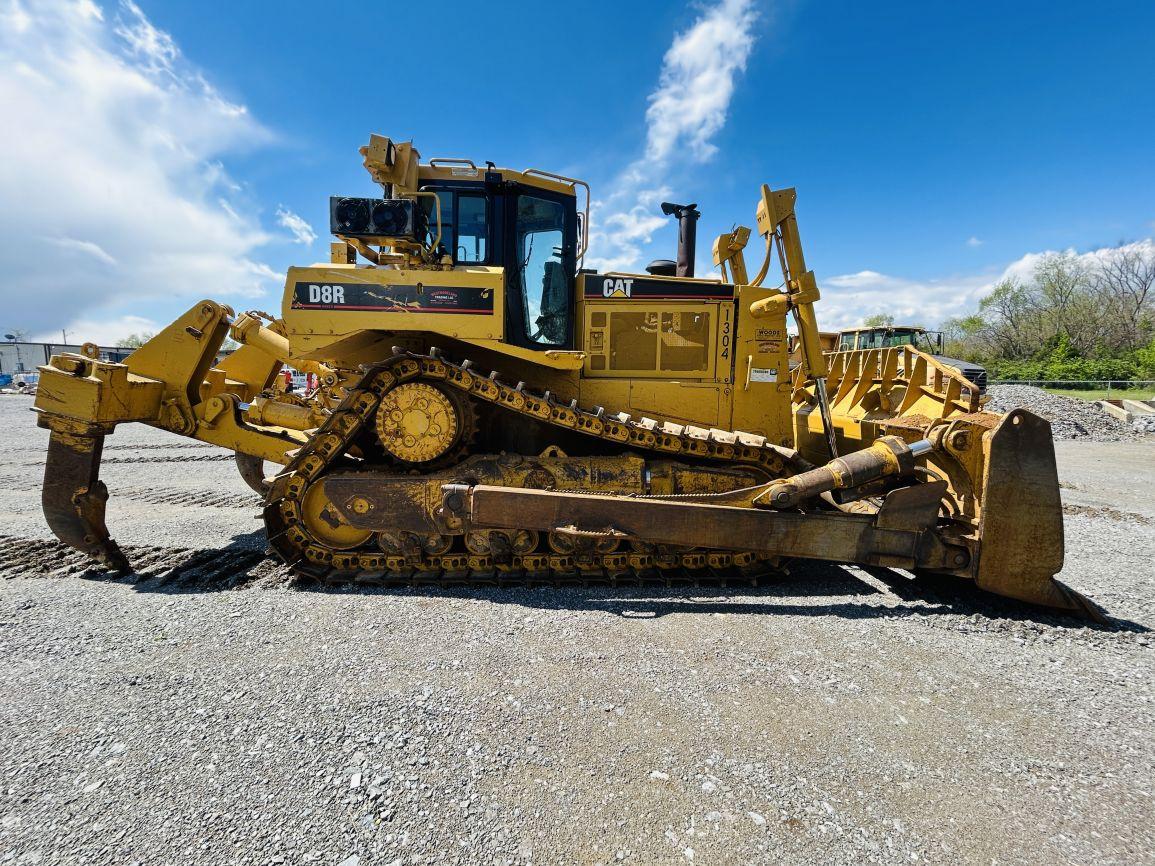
(134, 341)
(1125, 286)
(962, 337)
(1074, 317)
(878, 320)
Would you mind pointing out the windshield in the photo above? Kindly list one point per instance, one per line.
(887, 338)
(899, 337)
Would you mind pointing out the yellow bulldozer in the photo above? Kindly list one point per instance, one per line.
(486, 409)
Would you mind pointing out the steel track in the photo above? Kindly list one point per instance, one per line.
(308, 556)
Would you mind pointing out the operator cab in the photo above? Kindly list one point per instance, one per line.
(529, 227)
(889, 336)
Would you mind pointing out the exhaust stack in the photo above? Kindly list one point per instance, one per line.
(687, 215)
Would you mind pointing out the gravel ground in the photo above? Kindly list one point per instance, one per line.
(210, 710)
(1070, 418)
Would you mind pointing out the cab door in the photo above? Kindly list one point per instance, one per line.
(541, 242)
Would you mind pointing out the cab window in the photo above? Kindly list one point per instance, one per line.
(464, 225)
(544, 285)
(472, 229)
(445, 199)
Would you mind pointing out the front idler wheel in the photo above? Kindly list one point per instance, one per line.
(325, 522)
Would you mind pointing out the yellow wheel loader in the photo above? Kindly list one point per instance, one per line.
(487, 409)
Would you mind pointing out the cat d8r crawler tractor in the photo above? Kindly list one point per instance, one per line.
(489, 410)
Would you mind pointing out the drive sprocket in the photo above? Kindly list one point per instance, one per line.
(419, 423)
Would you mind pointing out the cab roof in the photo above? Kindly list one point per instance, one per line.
(919, 328)
(449, 170)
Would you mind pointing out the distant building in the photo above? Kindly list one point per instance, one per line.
(26, 357)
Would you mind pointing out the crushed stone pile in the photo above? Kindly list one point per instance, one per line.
(1070, 418)
(1144, 424)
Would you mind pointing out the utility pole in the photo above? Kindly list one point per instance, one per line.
(12, 338)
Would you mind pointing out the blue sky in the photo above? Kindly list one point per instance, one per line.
(935, 146)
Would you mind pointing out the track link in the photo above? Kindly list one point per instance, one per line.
(308, 556)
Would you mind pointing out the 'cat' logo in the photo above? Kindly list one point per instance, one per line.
(616, 288)
(326, 294)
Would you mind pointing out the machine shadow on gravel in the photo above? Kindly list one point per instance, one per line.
(245, 563)
(925, 595)
(921, 596)
(945, 594)
(240, 564)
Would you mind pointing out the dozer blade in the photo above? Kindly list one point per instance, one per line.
(74, 497)
(1022, 519)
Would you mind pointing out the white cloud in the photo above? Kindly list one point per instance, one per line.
(697, 81)
(858, 280)
(848, 298)
(111, 168)
(102, 331)
(154, 46)
(1023, 268)
(86, 247)
(686, 111)
(301, 230)
(972, 241)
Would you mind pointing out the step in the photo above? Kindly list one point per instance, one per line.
(1115, 409)
(1139, 407)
